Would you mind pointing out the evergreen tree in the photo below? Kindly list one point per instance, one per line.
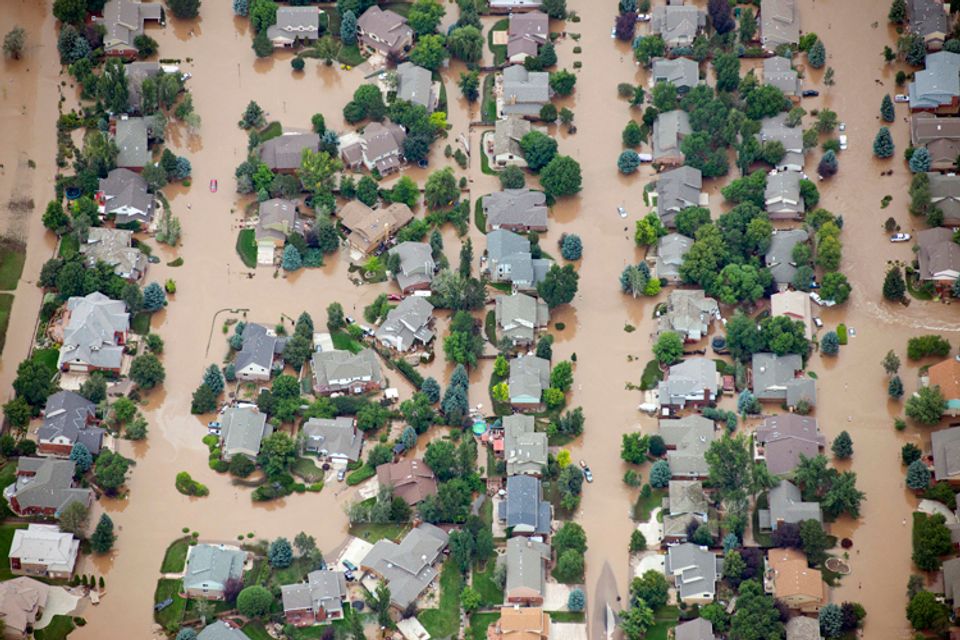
(154, 297)
(918, 475)
(898, 12)
(830, 343)
(213, 379)
(883, 146)
(842, 446)
(887, 113)
(82, 458)
(920, 160)
(103, 537)
(831, 620)
(895, 388)
(828, 164)
(291, 258)
(348, 28)
(893, 285)
(817, 54)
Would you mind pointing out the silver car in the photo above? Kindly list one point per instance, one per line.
(622, 212)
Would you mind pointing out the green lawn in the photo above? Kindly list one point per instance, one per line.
(6, 303)
(247, 247)
(651, 376)
(400, 8)
(644, 506)
(479, 622)
(567, 616)
(350, 55)
(6, 539)
(479, 217)
(141, 323)
(445, 621)
(58, 629)
(255, 631)
(490, 327)
(271, 131)
(363, 473)
(665, 620)
(486, 586)
(296, 572)
(308, 470)
(8, 471)
(170, 617)
(312, 633)
(49, 357)
(175, 558)
(375, 532)
(69, 246)
(485, 165)
(764, 540)
(499, 50)
(12, 256)
(345, 342)
(488, 109)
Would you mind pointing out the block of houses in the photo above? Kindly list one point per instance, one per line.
(775, 129)
(526, 560)
(410, 479)
(123, 195)
(384, 32)
(345, 372)
(525, 33)
(518, 210)
(695, 571)
(781, 196)
(408, 568)
(317, 601)
(667, 257)
(509, 6)
(42, 550)
(379, 147)
(278, 219)
(791, 581)
(779, 72)
(519, 317)
(114, 247)
(415, 85)
(123, 21)
(786, 506)
(803, 628)
(781, 379)
(369, 228)
(779, 23)
(686, 504)
(795, 305)
(336, 439)
(669, 130)
(690, 314)
(945, 447)
(69, 419)
(687, 440)
(936, 88)
(417, 266)
(940, 136)
(928, 19)
(677, 23)
(694, 382)
(242, 430)
(946, 375)
(294, 25)
(283, 153)
(696, 629)
(938, 257)
(130, 136)
(408, 324)
(683, 73)
(507, 134)
(781, 439)
(221, 630)
(509, 260)
(678, 189)
(44, 487)
(529, 376)
(524, 510)
(210, 567)
(95, 331)
(258, 354)
(22, 601)
(520, 623)
(945, 195)
(524, 448)
(779, 257)
(523, 92)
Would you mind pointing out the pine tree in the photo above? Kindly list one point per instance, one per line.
(898, 12)
(291, 258)
(895, 388)
(886, 109)
(920, 160)
(817, 55)
(103, 537)
(918, 475)
(893, 285)
(883, 144)
(843, 446)
(348, 28)
(828, 164)
(213, 379)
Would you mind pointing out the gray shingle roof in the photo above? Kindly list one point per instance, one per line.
(928, 18)
(669, 129)
(90, 336)
(526, 32)
(803, 628)
(285, 151)
(137, 72)
(779, 23)
(519, 316)
(938, 255)
(778, 72)
(677, 23)
(510, 260)
(114, 246)
(278, 219)
(775, 378)
(516, 208)
(945, 194)
(507, 135)
(384, 30)
(295, 23)
(526, 567)
(787, 505)
(946, 453)
(696, 629)
(416, 264)
(66, 416)
(671, 249)
(779, 257)
(411, 479)
(324, 590)
(524, 448)
(259, 348)
(695, 570)
(938, 84)
(407, 567)
(335, 437)
(782, 196)
(524, 508)
(683, 73)
(211, 566)
(219, 630)
(688, 439)
(50, 487)
(342, 369)
(687, 496)
(785, 437)
(123, 20)
(677, 189)
(688, 381)
(125, 194)
(689, 313)
(415, 84)
(407, 323)
(529, 376)
(131, 141)
(775, 129)
(243, 429)
(524, 92)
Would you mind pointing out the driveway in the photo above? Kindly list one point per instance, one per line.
(555, 596)
(59, 602)
(568, 631)
(649, 560)
(932, 506)
(652, 529)
(355, 551)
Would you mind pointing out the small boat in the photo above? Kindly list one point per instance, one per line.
(213, 185)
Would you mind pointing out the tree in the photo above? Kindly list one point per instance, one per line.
(569, 569)
(632, 134)
(154, 297)
(186, 9)
(538, 150)
(187, 633)
(628, 162)
(890, 363)
(74, 519)
(254, 601)
(931, 540)
(512, 177)
(262, 46)
(292, 261)
(55, 219)
(561, 177)
(842, 446)
(895, 388)
(817, 54)
(14, 42)
(918, 475)
(466, 43)
(204, 400)
(576, 600)
(843, 496)
(894, 286)
(828, 164)
(733, 567)
(726, 66)
(669, 348)
(559, 286)
(348, 28)
(926, 406)
(920, 160)
(651, 588)
(835, 287)
(71, 45)
(660, 474)
(883, 143)
(441, 189)
(925, 611)
(886, 109)
(728, 459)
(831, 619)
(562, 82)
(280, 554)
(317, 170)
(424, 16)
(830, 343)
(277, 453)
(70, 11)
(898, 12)
(81, 457)
(429, 52)
(748, 26)
(571, 247)
(636, 620)
(103, 537)
(147, 371)
(470, 85)
(633, 448)
(755, 616)
(556, 9)
(721, 16)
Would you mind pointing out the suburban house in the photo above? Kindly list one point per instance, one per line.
(687, 504)
(115, 247)
(336, 439)
(369, 228)
(690, 313)
(22, 601)
(415, 85)
(523, 92)
(508, 6)
(677, 190)
(781, 439)
(795, 305)
(519, 317)
(666, 259)
(407, 568)
(384, 32)
(527, 561)
(520, 623)
(345, 372)
(781, 196)
(524, 510)
(137, 72)
(209, 568)
(277, 219)
(123, 21)
(529, 376)
(938, 256)
(524, 448)
(940, 136)
(779, 257)
(525, 33)
(779, 23)
(123, 196)
(786, 506)
(507, 134)
(410, 479)
(687, 440)
(318, 600)
(518, 210)
(946, 375)
(945, 447)
(951, 583)
(790, 580)
(509, 260)
(44, 551)
(68, 419)
(669, 130)
(44, 487)
(936, 87)
(677, 23)
(696, 629)
(408, 323)
(683, 73)
(803, 628)
(95, 330)
(130, 136)
(242, 429)
(379, 147)
(416, 266)
(775, 129)
(261, 349)
(928, 19)
(695, 571)
(781, 379)
(221, 630)
(779, 72)
(283, 153)
(694, 381)
(945, 196)
(295, 25)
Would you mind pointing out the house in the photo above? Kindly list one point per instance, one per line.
(683, 73)
(115, 247)
(44, 487)
(379, 148)
(509, 260)
(518, 210)
(786, 506)
(928, 19)
(793, 582)
(524, 510)
(137, 72)
(283, 153)
(509, 6)
(779, 23)
(130, 136)
(210, 567)
(257, 356)
(666, 259)
(336, 439)
(938, 257)
(690, 313)
(945, 445)
(803, 628)
(779, 72)
(369, 228)
(946, 375)
(783, 438)
(221, 630)
(68, 419)
(44, 551)
(95, 331)
(779, 257)
(408, 568)
(345, 372)
(520, 623)
(678, 189)
(384, 32)
(242, 429)
(527, 561)
(523, 92)
(123, 196)
(781, 379)
(123, 21)
(669, 130)
(410, 479)
(416, 266)
(782, 198)
(945, 195)
(694, 381)
(318, 600)
(519, 317)
(22, 601)
(687, 440)
(696, 629)
(507, 134)
(951, 582)
(294, 25)
(529, 376)
(524, 448)
(415, 84)
(686, 504)
(278, 219)
(795, 305)
(407, 324)
(936, 87)
(775, 129)
(940, 136)
(525, 33)
(695, 571)
(678, 24)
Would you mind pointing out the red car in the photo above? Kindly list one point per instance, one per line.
(213, 186)
(395, 297)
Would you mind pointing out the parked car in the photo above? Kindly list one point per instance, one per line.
(213, 425)
(901, 97)
(843, 142)
(213, 185)
(163, 604)
(842, 126)
(818, 322)
(644, 17)
(395, 297)
(587, 474)
(349, 565)
(153, 260)
(820, 301)
(349, 575)
(622, 212)
(349, 319)
(900, 237)
(810, 93)
(341, 475)
(645, 157)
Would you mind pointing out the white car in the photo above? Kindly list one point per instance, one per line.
(842, 126)
(818, 322)
(901, 97)
(622, 212)
(820, 301)
(613, 31)
(900, 237)
(843, 142)
(644, 17)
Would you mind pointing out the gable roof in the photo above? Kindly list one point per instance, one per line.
(243, 429)
(45, 545)
(211, 566)
(416, 264)
(510, 259)
(792, 578)
(683, 73)
(687, 440)
(524, 448)
(795, 305)
(414, 84)
(259, 347)
(369, 227)
(687, 496)
(526, 566)
(524, 92)
(787, 505)
(775, 129)
(785, 437)
(779, 23)
(945, 445)
(689, 380)
(519, 316)
(411, 479)
(125, 195)
(51, 487)
(775, 378)
(114, 246)
(407, 567)
(507, 134)
(938, 83)
(526, 32)
(677, 189)
(524, 508)
(333, 437)
(66, 416)
(529, 376)
(946, 375)
(779, 257)
(689, 313)
(515, 207)
(220, 630)
(295, 23)
(668, 130)
(677, 23)
(671, 249)
(332, 368)
(938, 254)
(285, 151)
(131, 139)
(123, 20)
(390, 29)
(928, 18)
(406, 323)
(695, 570)
(696, 629)
(781, 196)
(277, 219)
(521, 623)
(945, 195)
(779, 72)
(323, 590)
(21, 600)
